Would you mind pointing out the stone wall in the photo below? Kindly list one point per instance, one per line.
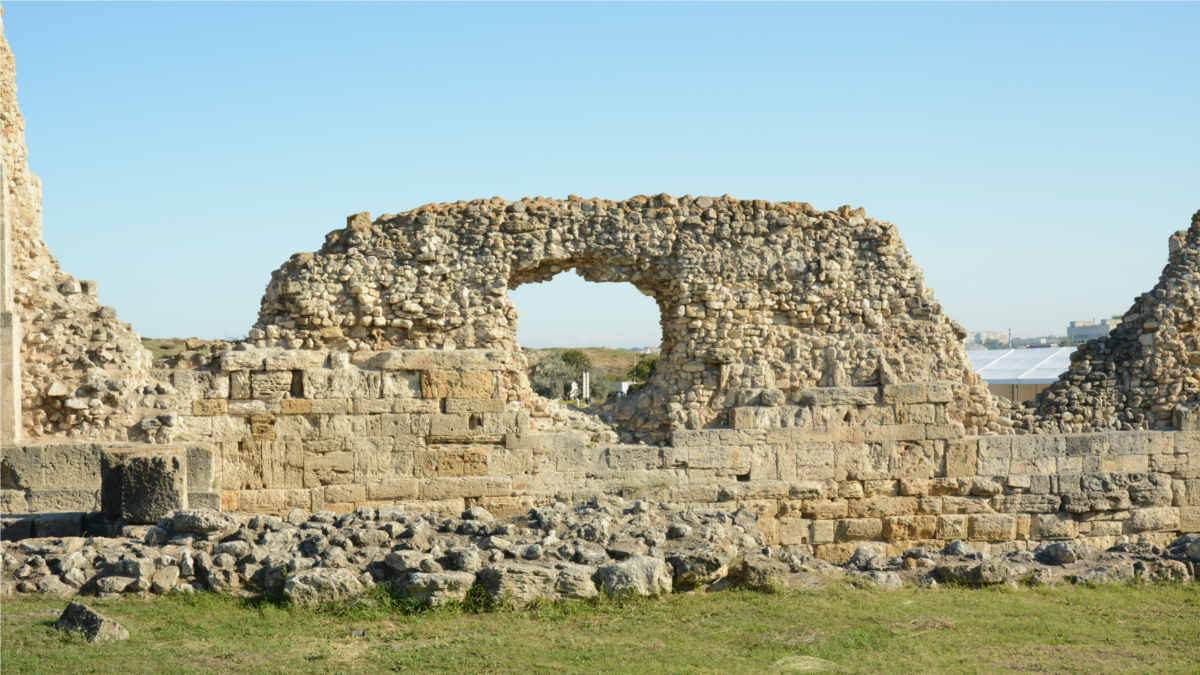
(754, 295)
(432, 429)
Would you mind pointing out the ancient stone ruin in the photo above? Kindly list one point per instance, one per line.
(811, 386)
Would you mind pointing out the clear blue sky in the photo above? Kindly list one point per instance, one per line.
(1035, 156)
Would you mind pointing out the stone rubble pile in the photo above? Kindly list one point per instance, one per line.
(551, 553)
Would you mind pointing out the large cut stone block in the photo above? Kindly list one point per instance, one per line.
(153, 482)
(296, 359)
(840, 396)
(271, 386)
(457, 384)
(22, 466)
(429, 359)
(42, 500)
(913, 392)
(342, 384)
(72, 465)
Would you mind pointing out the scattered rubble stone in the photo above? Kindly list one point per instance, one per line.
(93, 624)
(583, 550)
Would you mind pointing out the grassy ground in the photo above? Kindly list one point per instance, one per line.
(161, 348)
(836, 629)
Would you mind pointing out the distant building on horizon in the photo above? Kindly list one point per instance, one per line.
(1082, 331)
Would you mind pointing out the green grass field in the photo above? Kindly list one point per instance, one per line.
(161, 348)
(838, 629)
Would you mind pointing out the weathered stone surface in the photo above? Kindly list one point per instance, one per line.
(94, 625)
(640, 575)
(519, 584)
(436, 588)
(153, 483)
(313, 587)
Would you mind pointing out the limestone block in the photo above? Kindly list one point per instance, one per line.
(394, 489)
(239, 384)
(41, 500)
(205, 500)
(210, 407)
(519, 584)
(474, 405)
(813, 460)
(295, 406)
(1187, 417)
(429, 359)
(1189, 519)
(402, 384)
(200, 384)
(342, 384)
(346, 494)
(296, 359)
(459, 460)
(282, 464)
(881, 507)
(794, 531)
(851, 529)
(23, 466)
(1163, 518)
(330, 468)
(951, 527)
(824, 509)
(366, 406)
(153, 483)
(297, 427)
(349, 426)
(866, 461)
(880, 488)
(840, 396)
(945, 431)
(417, 405)
(262, 427)
(375, 460)
(247, 360)
(474, 486)
(914, 392)
(272, 385)
(1056, 525)
(202, 461)
(71, 465)
(1027, 503)
(330, 406)
(902, 528)
(457, 384)
(253, 407)
(993, 527)
(916, 460)
(939, 392)
(13, 501)
(631, 457)
(719, 457)
(741, 418)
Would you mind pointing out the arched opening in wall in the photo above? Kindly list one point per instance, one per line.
(614, 324)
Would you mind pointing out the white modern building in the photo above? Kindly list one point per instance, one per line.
(1020, 374)
(1082, 331)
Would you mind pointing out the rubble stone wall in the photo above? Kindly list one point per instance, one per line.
(1146, 372)
(754, 296)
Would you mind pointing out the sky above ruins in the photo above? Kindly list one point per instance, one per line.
(1034, 156)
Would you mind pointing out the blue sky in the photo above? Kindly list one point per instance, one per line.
(1035, 156)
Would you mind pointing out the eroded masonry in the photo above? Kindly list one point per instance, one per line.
(808, 375)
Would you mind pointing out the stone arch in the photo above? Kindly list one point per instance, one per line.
(755, 296)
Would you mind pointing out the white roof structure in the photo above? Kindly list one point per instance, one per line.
(1020, 366)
